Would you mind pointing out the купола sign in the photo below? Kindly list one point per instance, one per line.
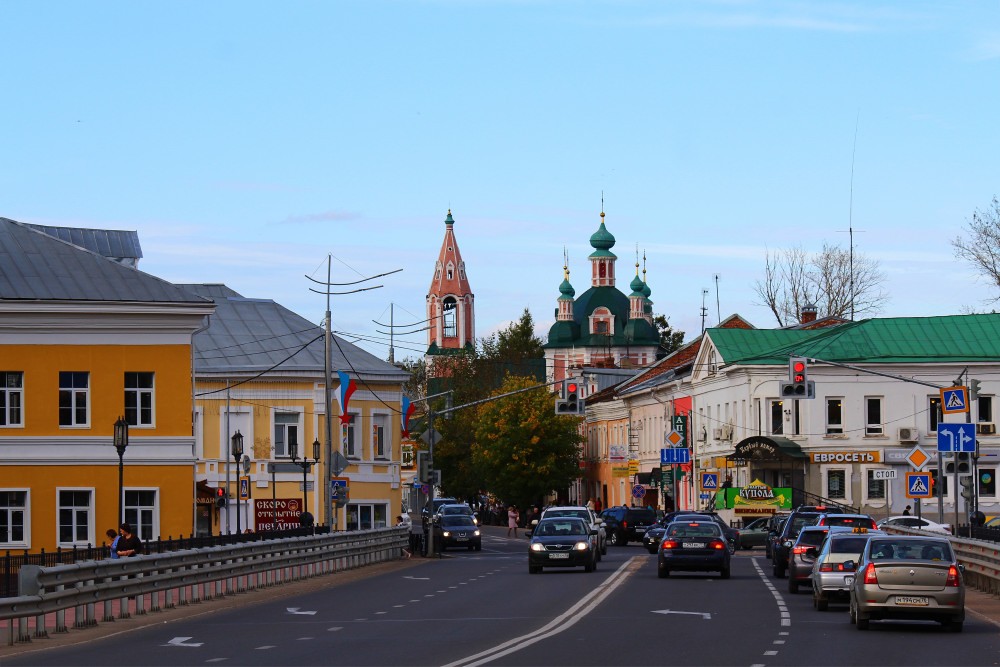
(755, 498)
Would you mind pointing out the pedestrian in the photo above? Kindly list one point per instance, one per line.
(513, 516)
(114, 536)
(590, 504)
(597, 505)
(403, 521)
(906, 512)
(129, 545)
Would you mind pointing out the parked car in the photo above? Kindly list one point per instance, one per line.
(835, 565)
(802, 555)
(754, 534)
(693, 546)
(562, 542)
(781, 544)
(848, 521)
(588, 515)
(625, 524)
(908, 577)
(914, 522)
(457, 530)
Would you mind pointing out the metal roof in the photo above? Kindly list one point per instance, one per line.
(111, 243)
(35, 266)
(256, 335)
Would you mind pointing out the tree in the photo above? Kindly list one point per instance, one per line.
(982, 248)
(670, 340)
(522, 449)
(832, 281)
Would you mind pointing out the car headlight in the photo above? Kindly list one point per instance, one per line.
(582, 546)
(476, 533)
(447, 533)
(537, 546)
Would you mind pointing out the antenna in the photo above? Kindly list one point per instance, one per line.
(718, 309)
(850, 216)
(704, 311)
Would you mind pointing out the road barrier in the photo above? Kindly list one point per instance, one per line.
(182, 577)
(980, 558)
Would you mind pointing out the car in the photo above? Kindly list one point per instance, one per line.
(847, 520)
(907, 577)
(438, 502)
(774, 525)
(730, 533)
(834, 564)
(457, 530)
(783, 541)
(693, 546)
(802, 555)
(562, 542)
(914, 522)
(457, 508)
(588, 515)
(653, 535)
(754, 534)
(624, 524)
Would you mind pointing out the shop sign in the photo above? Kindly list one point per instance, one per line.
(619, 471)
(617, 453)
(872, 456)
(633, 467)
(755, 498)
(285, 510)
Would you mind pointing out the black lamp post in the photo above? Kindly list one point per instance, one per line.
(237, 452)
(121, 442)
(293, 453)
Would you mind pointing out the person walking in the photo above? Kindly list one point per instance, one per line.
(129, 545)
(114, 536)
(513, 516)
(906, 512)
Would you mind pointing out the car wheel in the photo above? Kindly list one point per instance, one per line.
(851, 614)
(779, 571)
(862, 623)
(793, 585)
(662, 572)
(614, 538)
(604, 549)
(589, 567)
(954, 626)
(725, 572)
(820, 603)
(732, 547)
(534, 569)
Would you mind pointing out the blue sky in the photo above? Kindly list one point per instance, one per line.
(247, 140)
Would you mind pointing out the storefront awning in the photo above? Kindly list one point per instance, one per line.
(766, 448)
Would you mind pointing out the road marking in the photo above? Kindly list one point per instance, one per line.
(217, 659)
(770, 653)
(379, 613)
(779, 641)
(564, 621)
(335, 628)
(704, 614)
(265, 647)
(182, 641)
(418, 578)
(295, 610)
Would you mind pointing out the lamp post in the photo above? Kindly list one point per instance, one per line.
(293, 453)
(237, 452)
(121, 442)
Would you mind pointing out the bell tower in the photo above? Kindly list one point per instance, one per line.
(450, 302)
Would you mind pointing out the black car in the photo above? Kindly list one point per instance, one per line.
(562, 542)
(651, 538)
(458, 530)
(783, 541)
(693, 546)
(625, 524)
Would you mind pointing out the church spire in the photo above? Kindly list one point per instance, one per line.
(450, 301)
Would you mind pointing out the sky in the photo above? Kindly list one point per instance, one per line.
(248, 141)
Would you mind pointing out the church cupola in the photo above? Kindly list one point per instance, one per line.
(450, 301)
(602, 260)
(566, 294)
(637, 299)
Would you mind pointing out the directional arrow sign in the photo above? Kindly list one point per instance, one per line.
(704, 614)
(956, 437)
(182, 641)
(295, 610)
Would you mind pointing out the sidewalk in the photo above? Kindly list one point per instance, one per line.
(984, 606)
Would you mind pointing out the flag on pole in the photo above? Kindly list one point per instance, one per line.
(347, 388)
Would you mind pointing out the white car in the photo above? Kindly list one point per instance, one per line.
(914, 522)
(595, 522)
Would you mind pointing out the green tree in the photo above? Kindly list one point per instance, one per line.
(670, 340)
(522, 449)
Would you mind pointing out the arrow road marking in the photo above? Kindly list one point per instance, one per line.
(295, 610)
(704, 614)
(182, 641)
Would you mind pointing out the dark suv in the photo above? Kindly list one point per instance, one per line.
(623, 524)
(803, 516)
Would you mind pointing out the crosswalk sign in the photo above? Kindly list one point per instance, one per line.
(954, 400)
(709, 481)
(918, 485)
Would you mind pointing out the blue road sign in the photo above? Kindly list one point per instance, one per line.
(705, 496)
(638, 491)
(954, 399)
(675, 456)
(710, 481)
(918, 485)
(956, 437)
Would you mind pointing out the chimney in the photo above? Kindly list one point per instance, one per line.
(808, 314)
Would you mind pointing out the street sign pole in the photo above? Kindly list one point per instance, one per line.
(940, 473)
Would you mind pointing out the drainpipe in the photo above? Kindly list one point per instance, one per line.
(194, 442)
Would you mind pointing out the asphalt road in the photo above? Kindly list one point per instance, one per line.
(474, 608)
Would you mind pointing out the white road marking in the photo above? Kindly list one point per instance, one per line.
(265, 647)
(295, 610)
(704, 614)
(182, 641)
(770, 653)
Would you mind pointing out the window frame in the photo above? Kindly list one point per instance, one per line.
(834, 428)
(380, 428)
(6, 392)
(988, 402)
(773, 405)
(88, 511)
(372, 506)
(74, 393)
(139, 393)
(147, 528)
(285, 427)
(25, 510)
(866, 472)
(874, 428)
(449, 317)
(350, 441)
(826, 474)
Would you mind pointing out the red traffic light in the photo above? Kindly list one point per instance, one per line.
(571, 387)
(799, 366)
(221, 493)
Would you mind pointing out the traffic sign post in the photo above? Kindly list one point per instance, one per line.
(675, 456)
(638, 491)
(918, 485)
(340, 490)
(956, 437)
(709, 481)
(954, 400)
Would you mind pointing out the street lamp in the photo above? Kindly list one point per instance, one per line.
(121, 442)
(293, 453)
(237, 452)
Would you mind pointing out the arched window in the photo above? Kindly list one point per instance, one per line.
(450, 321)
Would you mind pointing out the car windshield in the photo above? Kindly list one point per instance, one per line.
(848, 545)
(799, 522)
(459, 509)
(851, 521)
(456, 520)
(582, 514)
(812, 538)
(910, 550)
(550, 528)
(693, 530)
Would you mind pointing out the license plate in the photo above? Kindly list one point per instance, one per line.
(566, 556)
(693, 545)
(848, 581)
(462, 539)
(911, 601)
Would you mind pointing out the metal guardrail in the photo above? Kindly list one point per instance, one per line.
(980, 558)
(182, 577)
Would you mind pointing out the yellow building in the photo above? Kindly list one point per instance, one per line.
(259, 372)
(85, 339)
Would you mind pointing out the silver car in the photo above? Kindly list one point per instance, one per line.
(834, 565)
(908, 577)
(595, 522)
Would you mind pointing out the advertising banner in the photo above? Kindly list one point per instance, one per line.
(755, 498)
(285, 510)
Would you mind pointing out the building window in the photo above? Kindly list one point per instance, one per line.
(933, 404)
(601, 327)
(378, 436)
(75, 518)
(876, 487)
(139, 399)
(450, 318)
(140, 513)
(13, 519)
(836, 484)
(873, 415)
(74, 389)
(350, 446)
(367, 516)
(834, 416)
(11, 398)
(286, 430)
(777, 417)
(987, 482)
(983, 415)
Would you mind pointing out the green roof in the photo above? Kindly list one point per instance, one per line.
(957, 338)
(562, 335)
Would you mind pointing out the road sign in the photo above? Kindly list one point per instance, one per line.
(638, 491)
(675, 455)
(710, 481)
(705, 496)
(883, 474)
(918, 485)
(633, 466)
(674, 439)
(340, 489)
(244, 488)
(956, 437)
(917, 457)
(954, 400)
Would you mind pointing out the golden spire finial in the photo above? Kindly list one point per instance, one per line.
(643, 266)
(565, 264)
(637, 259)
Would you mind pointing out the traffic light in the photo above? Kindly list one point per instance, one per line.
(221, 497)
(974, 388)
(572, 397)
(798, 385)
(424, 473)
(962, 460)
(967, 482)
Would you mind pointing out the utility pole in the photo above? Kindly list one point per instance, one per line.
(391, 333)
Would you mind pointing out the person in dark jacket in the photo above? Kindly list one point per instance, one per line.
(129, 545)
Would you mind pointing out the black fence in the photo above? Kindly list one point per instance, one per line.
(10, 563)
(979, 533)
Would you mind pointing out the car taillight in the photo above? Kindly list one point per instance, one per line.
(833, 567)
(952, 579)
(870, 577)
(718, 544)
(800, 550)
(669, 544)
(624, 524)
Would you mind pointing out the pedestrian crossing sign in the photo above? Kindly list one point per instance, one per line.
(918, 485)
(710, 481)
(954, 400)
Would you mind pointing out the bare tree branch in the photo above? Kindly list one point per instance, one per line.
(982, 248)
